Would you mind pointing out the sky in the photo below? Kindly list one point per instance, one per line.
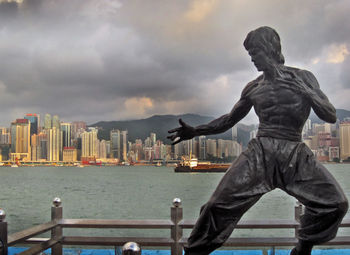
(103, 60)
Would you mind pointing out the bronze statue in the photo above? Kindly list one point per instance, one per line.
(282, 98)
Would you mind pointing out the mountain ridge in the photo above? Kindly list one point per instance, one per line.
(160, 124)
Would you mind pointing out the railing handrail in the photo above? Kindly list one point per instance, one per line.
(20, 236)
(175, 224)
(104, 223)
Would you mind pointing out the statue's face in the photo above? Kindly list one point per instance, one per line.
(260, 59)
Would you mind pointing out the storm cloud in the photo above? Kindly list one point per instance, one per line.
(110, 60)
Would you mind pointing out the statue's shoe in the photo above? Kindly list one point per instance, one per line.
(295, 252)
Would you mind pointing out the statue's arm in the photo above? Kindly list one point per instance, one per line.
(223, 123)
(219, 125)
(318, 100)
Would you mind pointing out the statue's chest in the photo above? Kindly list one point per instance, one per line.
(269, 95)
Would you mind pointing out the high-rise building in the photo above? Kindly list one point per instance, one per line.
(211, 147)
(78, 127)
(344, 136)
(66, 129)
(43, 143)
(202, 147)
(35, 148)
(153, 137)
(47, 121)
(54, 144)
(33, 119)
(56, 122)
(88, 144)
(20, 140)
(103, 149)
(5, 137)
(115, 144)
(125, 144)
(234, 133)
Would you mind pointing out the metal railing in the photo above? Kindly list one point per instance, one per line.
(176, 224)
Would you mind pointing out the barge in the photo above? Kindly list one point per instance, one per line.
(191, 165)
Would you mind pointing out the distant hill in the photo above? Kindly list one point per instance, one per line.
(341, 114)
(160, 124)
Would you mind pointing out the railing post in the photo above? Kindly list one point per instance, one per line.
(176, 231)
(56, 233)
(3, 232)
(298, 211)
(131, 248)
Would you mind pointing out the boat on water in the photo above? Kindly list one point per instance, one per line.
(191, 165)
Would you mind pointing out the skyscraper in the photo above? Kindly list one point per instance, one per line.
(89, 144)
(344, 131)
(115, 144)
(47, 121)
(54, 142)
(56, 122)
(202, 147)
(66, 129)
(33, 119)
(125, 144)
(234, 133)
(20, 140)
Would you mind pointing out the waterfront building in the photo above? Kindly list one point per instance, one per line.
(324, 139)
(88, 143)
(78, 127)
(43, 143)
(66, 129)
(153, 138)
(53, 144)
(108, 148)
(253, 134)
(125, 144)
(102, 150)
(234, 133)
(5, 137)
(70, 154)
(33, 119)
(115, 144)
(35, 148)
(20, 140)
(333, 153)
(344, 133)
(149, 153)
(188, 147)
(5, 151)
(47, 121)
(138, 149)
(316, 128)
(178, 150)
(202, 153)
(212, 147)
(56, 122)
(148, 142)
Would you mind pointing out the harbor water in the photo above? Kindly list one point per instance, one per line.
(128, 192)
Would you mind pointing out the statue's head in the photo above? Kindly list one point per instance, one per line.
(267, 40)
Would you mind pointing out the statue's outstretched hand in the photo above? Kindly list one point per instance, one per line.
(182, 133)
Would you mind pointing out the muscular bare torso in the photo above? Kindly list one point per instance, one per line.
(281, 107)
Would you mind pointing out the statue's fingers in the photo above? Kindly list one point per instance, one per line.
(171, 137)
(182, 123)
(177, 141)
(174, 130)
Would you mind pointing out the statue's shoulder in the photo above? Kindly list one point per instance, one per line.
(306, 76)
(249, 88)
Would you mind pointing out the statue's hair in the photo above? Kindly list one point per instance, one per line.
(267, 39)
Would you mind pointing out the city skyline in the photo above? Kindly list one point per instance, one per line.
(116, 60)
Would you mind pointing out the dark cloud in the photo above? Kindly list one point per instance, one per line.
(102, 60)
